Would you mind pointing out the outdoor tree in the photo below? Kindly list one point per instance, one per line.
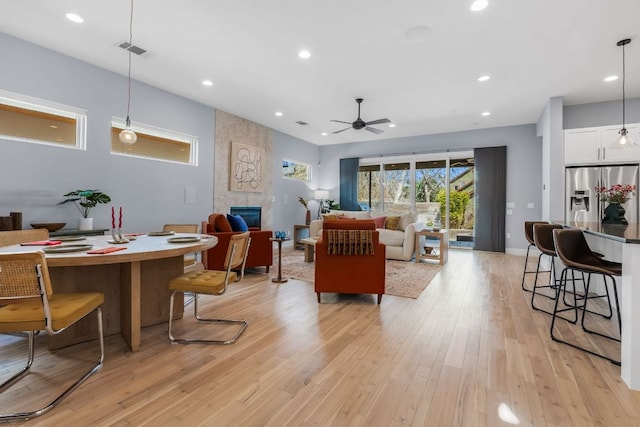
(458, 201)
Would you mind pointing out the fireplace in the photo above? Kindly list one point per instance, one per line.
(251, 214)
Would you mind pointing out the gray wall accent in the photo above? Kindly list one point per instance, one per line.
(524, 165)
(600, 114)
(287, 211)
(34, 177)
(549, 127)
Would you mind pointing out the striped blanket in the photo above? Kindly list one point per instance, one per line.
(350, 242)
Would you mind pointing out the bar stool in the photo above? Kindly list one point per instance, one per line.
(543, 239)
(528, 234)
(574, 252)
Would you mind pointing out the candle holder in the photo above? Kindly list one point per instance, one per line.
(118, 237)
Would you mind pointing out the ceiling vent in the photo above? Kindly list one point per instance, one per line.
(302, 123)
(132, 48)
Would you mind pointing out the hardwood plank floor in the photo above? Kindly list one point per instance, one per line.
(469, 351)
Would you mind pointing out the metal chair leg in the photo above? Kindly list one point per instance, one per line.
(18, 416)
(243, 325)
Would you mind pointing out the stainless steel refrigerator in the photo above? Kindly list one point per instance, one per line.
(581, 200)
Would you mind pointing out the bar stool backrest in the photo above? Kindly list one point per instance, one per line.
(528, 230)
(543, 238)
(574, 252)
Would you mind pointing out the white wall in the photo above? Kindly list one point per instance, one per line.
(34, 177)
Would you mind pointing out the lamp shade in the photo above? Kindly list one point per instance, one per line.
(320, 194)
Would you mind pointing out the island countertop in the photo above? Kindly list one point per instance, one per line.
(620, 233)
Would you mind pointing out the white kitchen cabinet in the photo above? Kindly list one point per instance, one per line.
(592, 145)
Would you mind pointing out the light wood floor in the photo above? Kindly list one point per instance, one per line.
(468, 352)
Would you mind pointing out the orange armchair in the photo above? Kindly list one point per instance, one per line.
(349, 274)
(260, 251)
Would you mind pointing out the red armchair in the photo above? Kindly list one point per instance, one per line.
(260, 251)
(349, 274)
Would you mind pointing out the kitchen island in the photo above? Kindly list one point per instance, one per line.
(621, 243)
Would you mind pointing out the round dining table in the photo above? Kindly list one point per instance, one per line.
(134, 280)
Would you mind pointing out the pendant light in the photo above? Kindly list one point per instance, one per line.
(624, 140)
(127, 135)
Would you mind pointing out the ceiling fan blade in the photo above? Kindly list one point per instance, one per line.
(340, 121)
(374, 130)
(379, 122)
(342, 130)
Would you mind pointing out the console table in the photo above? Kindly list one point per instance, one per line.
(77, 232)
(443, 249)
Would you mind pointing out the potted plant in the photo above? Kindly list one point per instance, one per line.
(84, 200)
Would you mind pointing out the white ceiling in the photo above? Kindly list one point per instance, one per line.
(533, 50)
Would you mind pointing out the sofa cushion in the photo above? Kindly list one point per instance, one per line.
(379, 220)
(237, 223)
(406, 219)
(391, 237)
(352, 214)
(392, 222)
(331, 216)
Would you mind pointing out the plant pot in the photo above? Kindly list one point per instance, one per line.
(85, 224)
(614, 214)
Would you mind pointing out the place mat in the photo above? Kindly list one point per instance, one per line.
(42, 243)
(66, 248)
(106, 250)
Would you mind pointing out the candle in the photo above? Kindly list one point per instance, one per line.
(113, 217)
(120, 219)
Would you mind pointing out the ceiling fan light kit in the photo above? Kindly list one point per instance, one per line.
(361, 124)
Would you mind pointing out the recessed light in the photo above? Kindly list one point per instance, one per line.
(304, 54)
(207, 82)
(323, 134)
(479, 5)
(75, 18)
(610, 79)
(278, 113)
(486, 113)
(417, 34)
(483, 78)
(392, 125)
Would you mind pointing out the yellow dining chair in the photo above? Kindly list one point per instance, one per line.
(213, 282)
(191, 261)
(32, 306)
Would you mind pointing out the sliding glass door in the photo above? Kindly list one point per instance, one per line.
(438, 188)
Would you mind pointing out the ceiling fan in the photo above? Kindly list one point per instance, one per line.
(361, 124)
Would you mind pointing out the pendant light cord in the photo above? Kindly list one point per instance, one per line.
(128, 122)
(623, 80)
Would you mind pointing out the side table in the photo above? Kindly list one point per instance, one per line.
(443, 250)
(309, 248)
(279, 279)
(297, 228)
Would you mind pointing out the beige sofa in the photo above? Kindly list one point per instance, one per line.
(400, 243)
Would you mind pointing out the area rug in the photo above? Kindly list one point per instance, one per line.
(403, 278)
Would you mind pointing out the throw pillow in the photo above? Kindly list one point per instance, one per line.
(379, 221)
(392, 222)
(237, 223)
(329, 216)
(221, 224)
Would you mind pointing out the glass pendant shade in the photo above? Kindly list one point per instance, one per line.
(624, 140)
(127, 135)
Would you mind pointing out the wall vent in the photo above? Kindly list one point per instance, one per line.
(302, 123)
(132, 48)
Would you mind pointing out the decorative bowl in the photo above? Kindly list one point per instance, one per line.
(428, 250)
(51, 226)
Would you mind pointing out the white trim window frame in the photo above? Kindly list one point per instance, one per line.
(191, 140)
(48, 107)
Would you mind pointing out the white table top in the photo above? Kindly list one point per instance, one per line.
(143, 248)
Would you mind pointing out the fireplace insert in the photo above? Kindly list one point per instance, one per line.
(251, 214)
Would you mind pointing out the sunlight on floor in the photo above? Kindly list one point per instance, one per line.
(506, 414)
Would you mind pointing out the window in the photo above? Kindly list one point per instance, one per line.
(293, 169)
(27, 119)
(369, 186)
(155, 143)
(397, 187)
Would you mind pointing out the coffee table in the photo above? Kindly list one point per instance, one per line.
(309, 248)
